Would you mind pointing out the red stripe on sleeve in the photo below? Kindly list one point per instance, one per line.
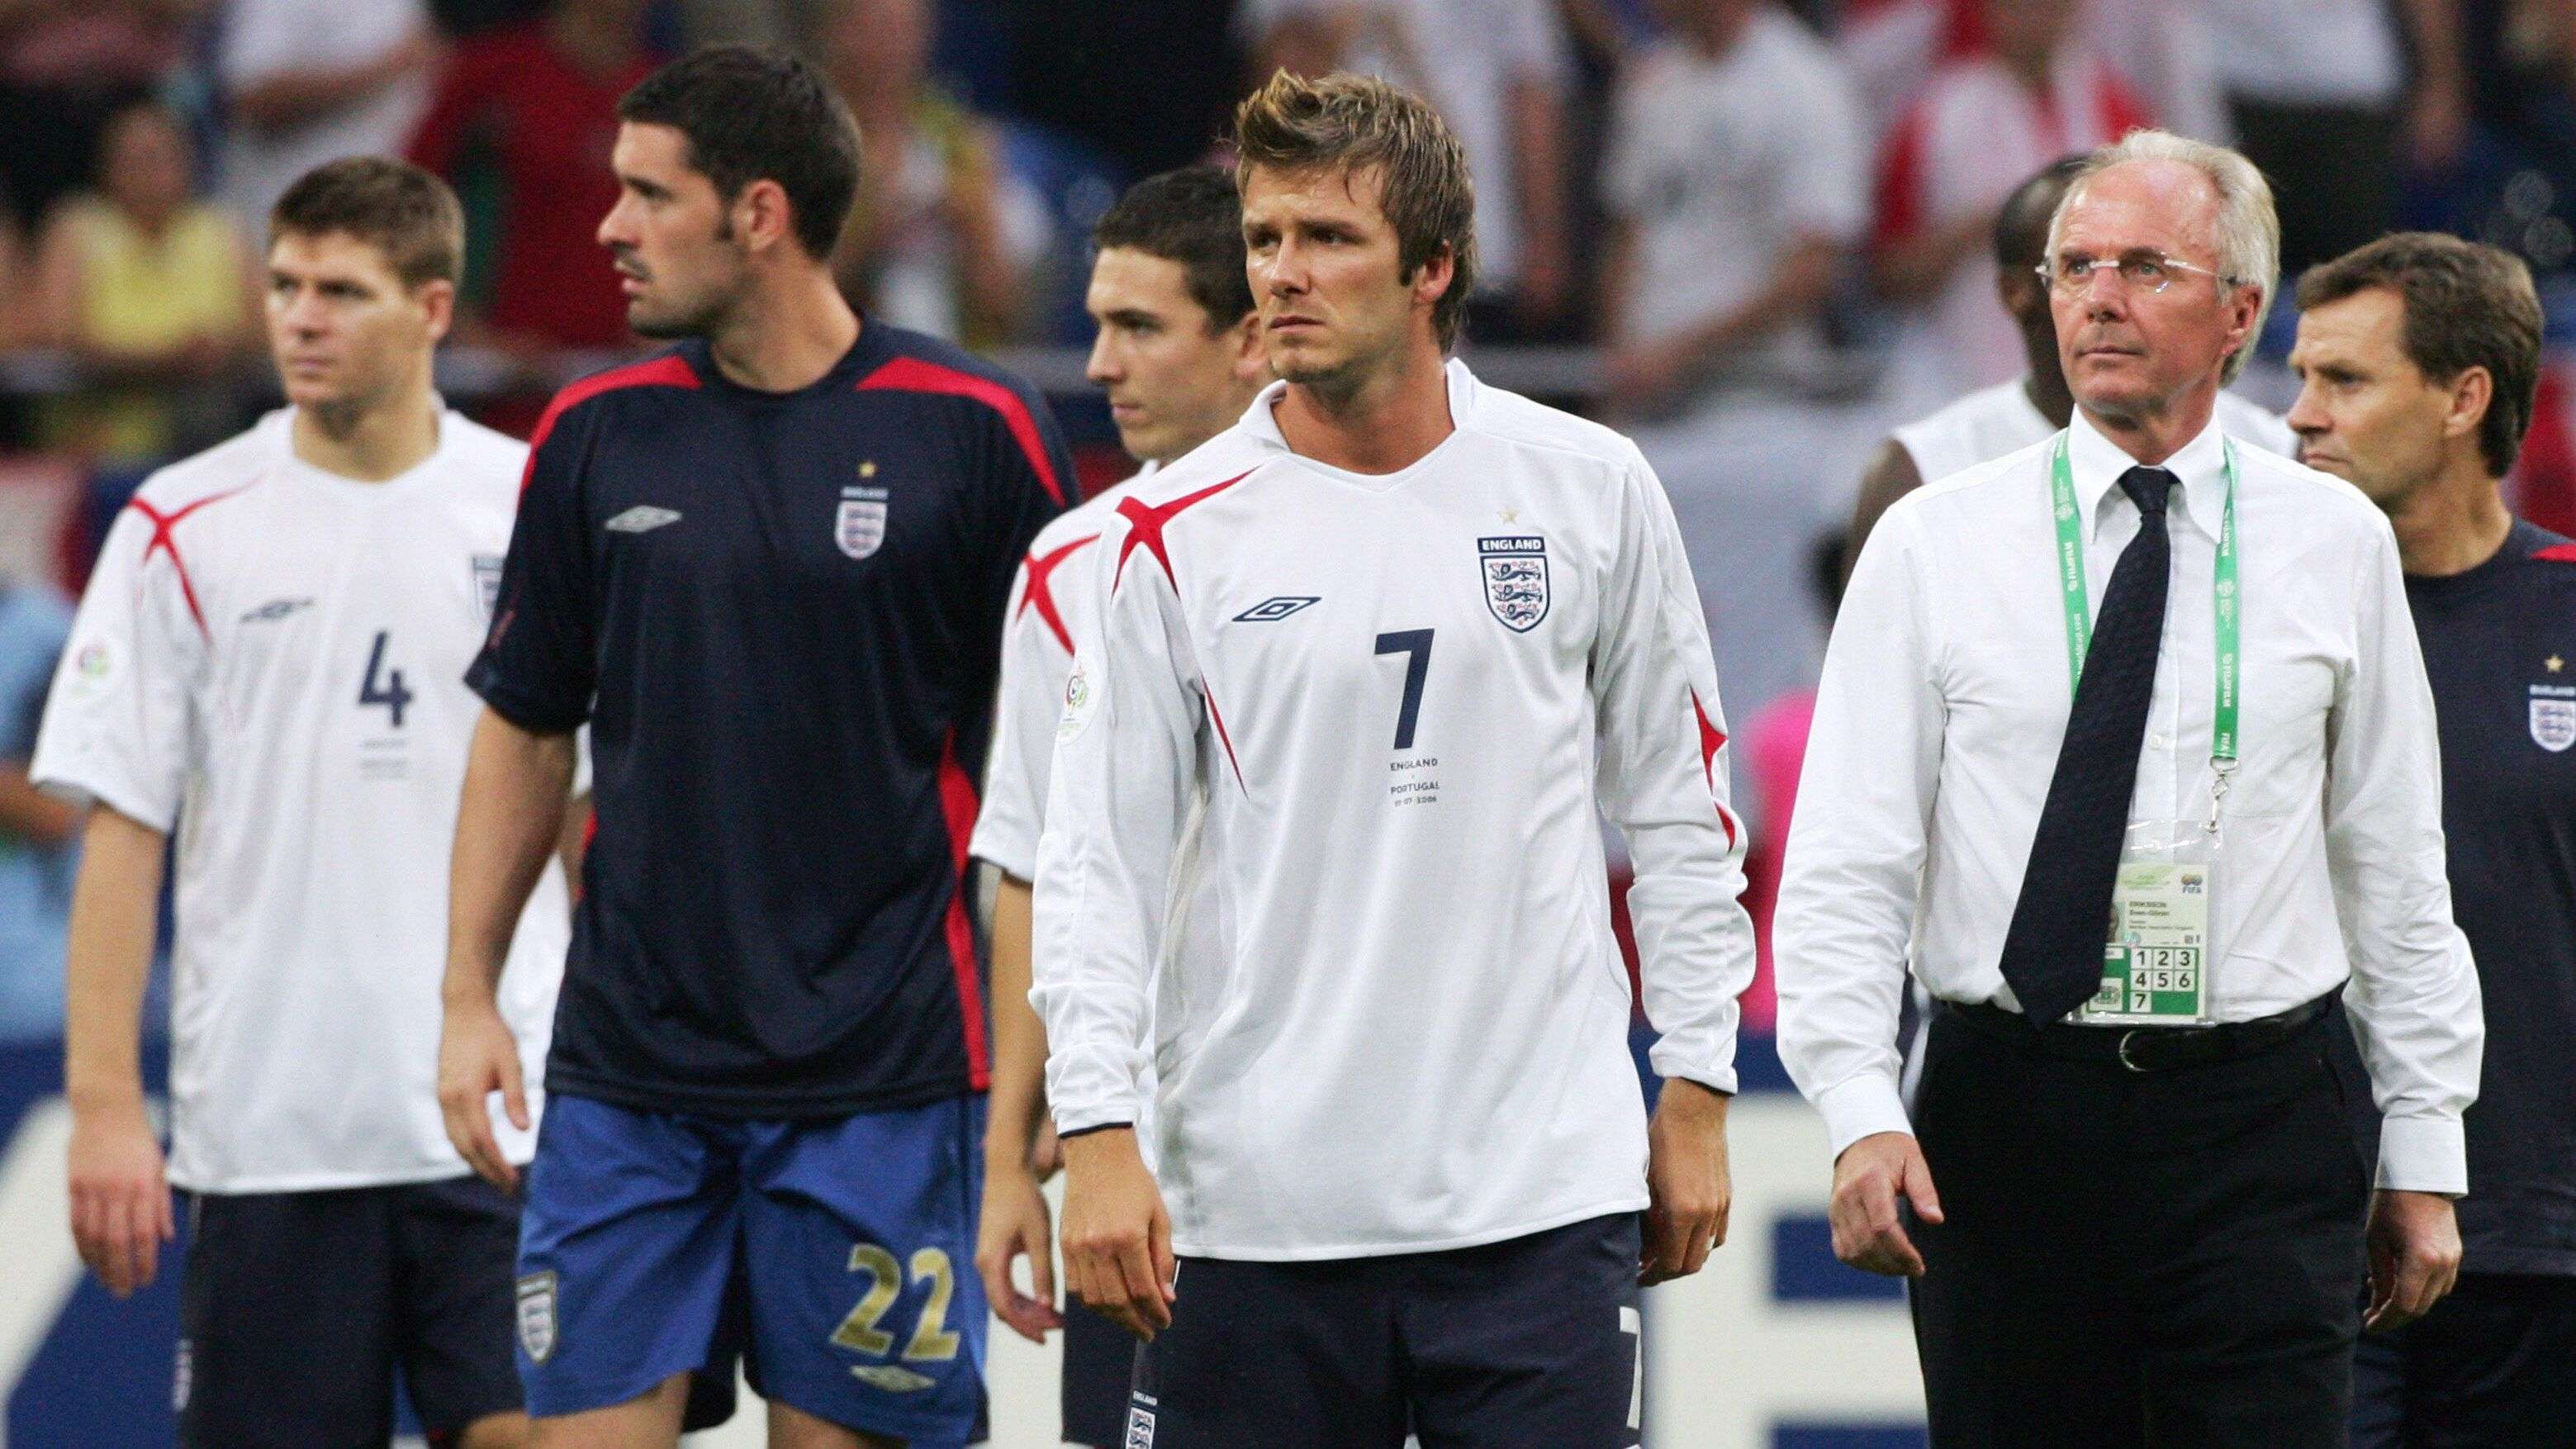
(957, 803)
(669, 370)
(1900, 177)
(913, 374)
(164, 541)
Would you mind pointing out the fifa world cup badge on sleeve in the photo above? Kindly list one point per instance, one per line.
(1081, 700)
(1515, 579)
(537, 1315)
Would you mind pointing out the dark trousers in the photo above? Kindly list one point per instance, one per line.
(2168, 1260)
(2491, 1367)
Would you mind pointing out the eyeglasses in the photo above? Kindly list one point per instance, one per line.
(2145, 272)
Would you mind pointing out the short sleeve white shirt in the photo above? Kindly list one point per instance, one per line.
(271, 659)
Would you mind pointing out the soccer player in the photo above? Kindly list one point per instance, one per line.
(768, 567)
(1179, 354)
(2010, 416)
(268, 661)
(2418, 356)
(1406, 632)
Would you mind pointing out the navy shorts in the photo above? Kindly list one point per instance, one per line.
(834, 1258)
(1530, 1343)
(296, 1308)
(1099, 1367)
(2493, 1364)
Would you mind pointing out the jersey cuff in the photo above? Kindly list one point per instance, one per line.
(1009, 851)
(125, 802)
(518, 708)
(1063, 1136)
(1862, 1106)
(2423, 1154)
(1712, 1066)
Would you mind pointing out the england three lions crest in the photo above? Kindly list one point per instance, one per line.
(861, 524)
(2553, 724)
(1515, 579)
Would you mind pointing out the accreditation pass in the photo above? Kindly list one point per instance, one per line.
(2155, 964)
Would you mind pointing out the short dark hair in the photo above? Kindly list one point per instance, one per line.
(2467, 305)
(1192, 216)
(401, 210)
(1356, 123)
(2021, 223)
(756, 114)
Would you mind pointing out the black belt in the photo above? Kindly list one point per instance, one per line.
(2140, 1049)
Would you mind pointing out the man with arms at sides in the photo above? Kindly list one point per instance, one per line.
(2148, 1226)
(2418, 357)
(1179, 354)
(269, 659)
(768, 567)
(2010, 416)
(1404, 630)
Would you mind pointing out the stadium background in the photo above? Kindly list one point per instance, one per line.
(1007, 126)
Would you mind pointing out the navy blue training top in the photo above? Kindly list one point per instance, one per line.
(781, 616)
(2500, 647)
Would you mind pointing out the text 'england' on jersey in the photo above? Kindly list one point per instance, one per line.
(778, 612)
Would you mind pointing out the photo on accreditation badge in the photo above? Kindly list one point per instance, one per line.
(1436, 724)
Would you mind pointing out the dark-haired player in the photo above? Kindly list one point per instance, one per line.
(267, 664)
(2418, 356)
(768, 568)
(1180, 358)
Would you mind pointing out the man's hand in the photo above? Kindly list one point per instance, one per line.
(121, 1213)
(1014, 1225)
(1686, 1182)
(477, 1056)
(1868, 1178)
(2414, 1242)
(1117, 1237)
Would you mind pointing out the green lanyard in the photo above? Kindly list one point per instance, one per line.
(2223, 603)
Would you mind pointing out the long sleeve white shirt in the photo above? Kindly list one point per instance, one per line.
(1405, 696)
(1938, 722)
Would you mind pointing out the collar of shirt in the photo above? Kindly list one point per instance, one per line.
(1262, 422)
(2200, 465)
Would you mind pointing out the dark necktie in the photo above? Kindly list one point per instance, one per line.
(2053, 951)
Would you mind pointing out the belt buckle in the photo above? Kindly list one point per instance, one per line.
(2127, 1037)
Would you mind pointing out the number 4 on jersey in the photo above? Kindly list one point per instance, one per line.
(391, 694)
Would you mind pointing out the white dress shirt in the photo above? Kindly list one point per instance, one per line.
(1938, 722)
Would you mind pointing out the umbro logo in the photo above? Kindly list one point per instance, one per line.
(1278, 608)
(642, 518)
(274, 610)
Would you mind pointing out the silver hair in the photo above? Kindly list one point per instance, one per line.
(2248, 239)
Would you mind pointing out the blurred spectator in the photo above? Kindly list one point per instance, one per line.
(1736, 182)
(1982, 124)
(1775, 754)
(932, 243)
(308, 81)
(540, 99)
(37, 854)
(1150, 86)
(65, 67)
(148, 286)
(2319, 93)
(2523, 56)
(2165, 52)
(1497, 72)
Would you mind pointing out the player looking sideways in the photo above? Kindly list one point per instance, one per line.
(2418, 356)
(269, 660)
(1179, 354)
(1405, 630)
(768, 567)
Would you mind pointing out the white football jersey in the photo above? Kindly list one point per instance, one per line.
(1996, 421)
(1408, 698)
(272, 658)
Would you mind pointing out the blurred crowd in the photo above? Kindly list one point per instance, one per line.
(1768, 221)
